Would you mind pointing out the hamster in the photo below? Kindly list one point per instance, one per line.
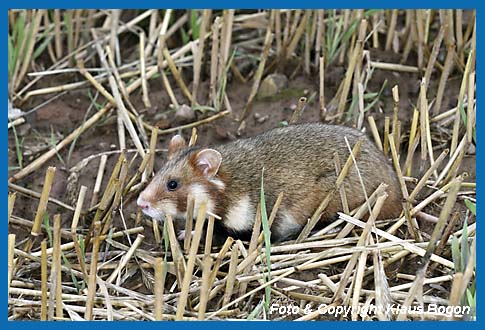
(298, 160)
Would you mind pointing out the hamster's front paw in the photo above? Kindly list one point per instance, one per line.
(181, 235)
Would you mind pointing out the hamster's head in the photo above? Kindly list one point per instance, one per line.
(188, 172)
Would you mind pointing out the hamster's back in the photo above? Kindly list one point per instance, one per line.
(299, 161)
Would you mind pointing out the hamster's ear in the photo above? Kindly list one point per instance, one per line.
(207, 161)
(176, 144)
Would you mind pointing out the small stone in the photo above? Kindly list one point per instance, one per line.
(184, 114)
(272, 84)
(471, 150)
(260, 118)
(23, 130)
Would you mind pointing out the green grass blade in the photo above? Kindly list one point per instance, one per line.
(194, 25)
(471, 206)
(465, 248)
(455, 252)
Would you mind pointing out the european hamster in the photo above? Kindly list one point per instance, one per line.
(298, 160)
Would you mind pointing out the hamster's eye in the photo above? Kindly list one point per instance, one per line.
(172, 185)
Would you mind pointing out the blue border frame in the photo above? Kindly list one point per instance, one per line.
(240, 4)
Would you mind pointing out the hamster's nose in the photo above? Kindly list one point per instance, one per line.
(142, 203)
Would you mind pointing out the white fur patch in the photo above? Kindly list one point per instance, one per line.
(200, 195)
(286, 224)
(220, 185)
(240, 216)
(182, 234)
(168, 207)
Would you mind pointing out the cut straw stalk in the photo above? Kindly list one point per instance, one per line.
(412, 224)
(392, 27)
(44, 198)
(434, 55)
(214, 62)
(11, 262)
(359, 276)
(200, 52)
(115, 274)
(297, 35)
(445, 212)
(446, 234)
(258, 75)
(205, 289)
(206, 271)
(70, 245)
(395, 117)
(394, 67)
(362, 210)
(421, 183)
(35, 194)
(217, 263)
(43, 280)
(88, 315)
(348, 79)
(360, 118)
(343, 194)
(470, 118)
(55, 296)
(176, 75)
(375, 132)
(182, 303)
(408, 246)
(231, 275)
(139, 173)
(253, 245)
(444, 78)
(423, 124)
(99, 180)
(151, 161)
(75, 220)
(226, 41)
(412, 141)
(191, 125)
(453, 162)
(122, 111)
(177, 255)
(144, 83)
(355, 256)
(461, 96)
(323, 110)
(159, 286)
(11, 203)
(188, 223)
(16, 122)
